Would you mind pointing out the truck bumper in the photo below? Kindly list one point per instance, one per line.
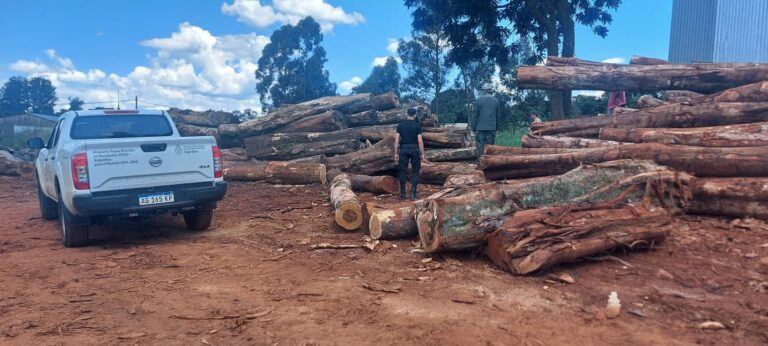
(126, 202)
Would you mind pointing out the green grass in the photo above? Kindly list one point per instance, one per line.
(511, 137)
(18, 141)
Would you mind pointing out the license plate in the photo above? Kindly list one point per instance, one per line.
(156, 198)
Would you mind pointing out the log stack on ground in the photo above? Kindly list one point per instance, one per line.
(289, 173)
(208, 123)
(347, 209)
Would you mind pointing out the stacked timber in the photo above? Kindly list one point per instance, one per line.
(207, 123)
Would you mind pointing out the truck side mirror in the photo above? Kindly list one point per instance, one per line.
(35, 143)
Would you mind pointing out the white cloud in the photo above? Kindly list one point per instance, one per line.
(616, 60)
(393, 45)
(254, 13)
(347, 85)
(191, 69)
(382, 60)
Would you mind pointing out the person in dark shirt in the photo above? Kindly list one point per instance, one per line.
(409, 147)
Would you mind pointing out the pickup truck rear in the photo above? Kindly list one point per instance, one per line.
(105, 164)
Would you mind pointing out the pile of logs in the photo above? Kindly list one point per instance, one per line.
(208, 123)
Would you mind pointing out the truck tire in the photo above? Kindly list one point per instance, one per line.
(49, 209)
(74, 229)
(198, 220)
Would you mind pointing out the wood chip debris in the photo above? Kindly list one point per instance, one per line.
(381, 288)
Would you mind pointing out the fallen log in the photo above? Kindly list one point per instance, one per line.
(641, 60)
(756, 92)
(229, 137)
(501, 150)
(438, 172)
(312, 159)
(289, 173)
(449, 137)
(13, 168)
(648, 101)
(737, 197)
(671, 115)
(374, 184)
(459, 180)
(323, 122)
(699, 77)
(234, 154)
(700, 161)
(532, 141)
(537, 239)
(285, 115)
(369, 161)
(745, 135)
(347, 209)
(288, 146)
(385, 101)
(681, 96)
(194, 130)
(397, 221)
(450, 155)
(463, 218)
(207, 119)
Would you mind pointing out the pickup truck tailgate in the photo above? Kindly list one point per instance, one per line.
(117, 164)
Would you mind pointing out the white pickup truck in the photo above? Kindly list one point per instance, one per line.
(105, 164)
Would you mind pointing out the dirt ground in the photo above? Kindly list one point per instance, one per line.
(253, 280)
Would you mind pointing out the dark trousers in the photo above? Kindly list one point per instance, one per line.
(484, 138)
(409, 153)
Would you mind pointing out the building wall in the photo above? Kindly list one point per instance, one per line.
(23, 123)
(741, 33)
(692, 36)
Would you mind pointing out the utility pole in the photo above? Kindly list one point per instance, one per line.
(136, 102)
(118, 98)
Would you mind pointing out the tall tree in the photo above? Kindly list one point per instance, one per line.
(425, 59)
(549, 23)
(382, 79)
(292, 67)
(36, 95)
(75, 103)
(42, 95)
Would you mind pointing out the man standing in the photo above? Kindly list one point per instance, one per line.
(409, 147)
(483, 122)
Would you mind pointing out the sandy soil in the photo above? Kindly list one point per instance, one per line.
(253, 280)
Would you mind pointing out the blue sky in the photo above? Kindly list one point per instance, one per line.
(201, 54)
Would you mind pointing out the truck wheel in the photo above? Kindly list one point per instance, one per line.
(49, 210)
(198, 220)
(74, 229)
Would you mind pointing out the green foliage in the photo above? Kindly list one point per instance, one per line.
(511, 137)
(426, 65)
(76, 104)
(245, 114)
(18, 141)
(292, 67)
(584, 105)
(35, 95)
(382, 79)
(455, 107)
(516, 109)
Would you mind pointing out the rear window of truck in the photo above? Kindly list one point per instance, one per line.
(120, 126)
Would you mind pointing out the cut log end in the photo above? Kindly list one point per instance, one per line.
(375, 224)
(349, 215)
(430, 238)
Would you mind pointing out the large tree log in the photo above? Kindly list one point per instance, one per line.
(290, 173)
(374, 184)
(15, 168)
(234, 155)
(537, 239)
(437, 172)
(207, 119)
(287, 146)
(229, 137)
(501, 150)
(648, 101)
(756, 92)
(347, 209)
(194, 130)
(745, 135)
(737, 197)
(641, 60)
(385, 101)
(397, 221)
(459, 180)
(462, 219)
(451, 155)
(369, 161)
(670, 115)
(285, 115)
(706, 77)
(531, 141)
(323, 122)
(700, 161)
(681, 96)
(448, 137)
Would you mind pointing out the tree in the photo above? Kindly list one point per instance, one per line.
(75, 104)
(425, 59)
(36, 95)
(382, 79)
(292, 67)
(589, 105)
(549, 23)
(455, 107)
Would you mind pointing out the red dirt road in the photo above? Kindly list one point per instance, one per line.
(253, 280)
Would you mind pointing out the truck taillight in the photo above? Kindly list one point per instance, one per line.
(80, 171)
(218, 170)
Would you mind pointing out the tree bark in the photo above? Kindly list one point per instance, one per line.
(288, 114)
(737, 197)
(500, 150)
(648, 101)
(700, 161)
(641, 60)
(704, 77)
(537, 239)
(462, 218)
(369, 161)
(382, 184)
(448, 137)
(347, 209)
(207, 119)
(451, 155)
(194, 130)
(397, 221)
(229, 137)
(288, 146)
(323, 122)
(746, 135)
(459, 180)
(290, 173)
(385, 101)
(530, 141)
(234, 154)
(671, 115)
(681, 96)
(437, 172)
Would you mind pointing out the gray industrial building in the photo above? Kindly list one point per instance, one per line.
(719, 31)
